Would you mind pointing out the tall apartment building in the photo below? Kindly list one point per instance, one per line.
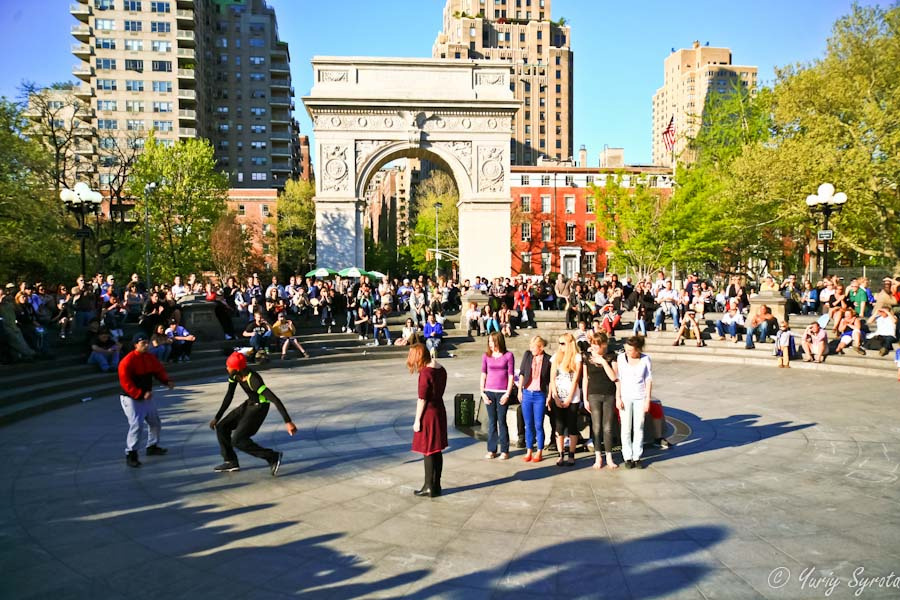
(520, 33)
(184, 69)
(691, 75)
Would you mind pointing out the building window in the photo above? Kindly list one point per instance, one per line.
(163, 87)
(134, 26)
(545, 204)
(589, 204)
(545, 232)
(162, 107)
(162, 125)
(258, 128)
(242, 210)
(134, 46)
(130, 5)
(589, 180)
(523, 180)
(570, 232)
(590, 262)
(265, 207)
(134, 125)
(570, 205)
(545, 180)
(106, 105)
(160, 27)
(590, 232)
(134, 106)
(258, 145)
(105, 24)
(258, 160)
(107, 124)
(257, 60)
(545, 263)
(160, 7)
(134, 85)
(134, 65)
(106, 64)
(161, 46)
(525, 203)
(107, 85)
(526, 232)
(162, 66)
(258, 111)
(105, 44)
(526, 262)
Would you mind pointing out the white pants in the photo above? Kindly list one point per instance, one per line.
(632, 418)
(137, 411)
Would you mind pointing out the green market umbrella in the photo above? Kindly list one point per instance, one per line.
(352, 272)
(376, 274)
(322, 272)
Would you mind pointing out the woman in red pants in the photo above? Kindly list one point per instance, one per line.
(430, 426)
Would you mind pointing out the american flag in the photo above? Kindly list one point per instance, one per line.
(668, 135)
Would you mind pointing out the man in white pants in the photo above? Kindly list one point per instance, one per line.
(633, 399)
(136, 373)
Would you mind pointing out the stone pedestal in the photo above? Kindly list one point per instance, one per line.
(776, 302)
(199, 317)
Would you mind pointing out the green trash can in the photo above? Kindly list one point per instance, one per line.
(464, 410)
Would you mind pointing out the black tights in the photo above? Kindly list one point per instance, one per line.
(434, 464)
(602, 416)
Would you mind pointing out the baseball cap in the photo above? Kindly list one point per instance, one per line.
(139, 337)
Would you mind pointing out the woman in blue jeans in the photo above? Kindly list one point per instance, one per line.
(534, 383)
(497, 366)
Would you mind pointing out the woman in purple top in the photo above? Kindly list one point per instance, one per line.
(497, 366)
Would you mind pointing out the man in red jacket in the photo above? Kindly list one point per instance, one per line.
(136, 373)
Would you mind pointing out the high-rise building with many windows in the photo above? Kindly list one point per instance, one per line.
(184, 69)
(520, 32)
(691, 75)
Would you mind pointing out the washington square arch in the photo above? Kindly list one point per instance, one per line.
(367, 112)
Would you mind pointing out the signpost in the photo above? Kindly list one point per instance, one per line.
(826, 234)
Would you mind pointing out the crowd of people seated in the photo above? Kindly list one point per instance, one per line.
(262, 315)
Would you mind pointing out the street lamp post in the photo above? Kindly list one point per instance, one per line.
(82, 200)
(148, 191)
(827, 203)
(437, 253)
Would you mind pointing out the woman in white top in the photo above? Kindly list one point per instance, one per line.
(565, 374)
(633, 399)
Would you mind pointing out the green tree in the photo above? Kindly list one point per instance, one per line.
(438, 187)
(228, 244)
(296, 230)
(36, 236)
(842, 113)
(633, 222)
(188, 201)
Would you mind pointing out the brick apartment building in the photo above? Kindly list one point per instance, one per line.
(554, 227)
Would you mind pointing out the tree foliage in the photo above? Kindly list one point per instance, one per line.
(188, 201)
(36, 238)
(633, 222)
(296, 229)
(438, 187)
(740, 206)
(228, 243)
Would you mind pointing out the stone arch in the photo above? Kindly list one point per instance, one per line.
(436, 155)
(369, 111)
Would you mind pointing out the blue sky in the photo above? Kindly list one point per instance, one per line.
(619, 46)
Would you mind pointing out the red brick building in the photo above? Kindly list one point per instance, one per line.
(256, 212)
(554, 227)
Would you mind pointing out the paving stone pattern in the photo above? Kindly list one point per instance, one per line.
(780, 469)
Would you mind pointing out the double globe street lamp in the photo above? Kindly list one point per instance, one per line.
(82, 200)
(827, 203)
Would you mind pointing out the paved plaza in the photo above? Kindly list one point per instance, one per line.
(776, 472)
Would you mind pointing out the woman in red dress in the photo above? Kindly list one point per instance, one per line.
(430, 426)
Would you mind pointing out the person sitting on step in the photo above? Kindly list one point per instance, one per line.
(689, 328)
